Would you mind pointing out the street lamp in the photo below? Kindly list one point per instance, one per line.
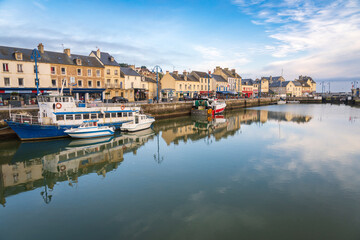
(35, 55)
(209, 83)
(156, 69)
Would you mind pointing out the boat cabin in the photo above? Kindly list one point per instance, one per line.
(90, 123)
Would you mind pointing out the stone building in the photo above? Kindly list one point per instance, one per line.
(233, 79)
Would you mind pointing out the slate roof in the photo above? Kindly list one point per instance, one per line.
(218, 78)
(278, 83)
(147, 79)
(7, 53)
(248, 81)
(275, 79)
(129, 72)
(191, 78)
(303, 83)
(105, 58)
(267, 78)
(177, 77)
(297, 83)
(201, 74)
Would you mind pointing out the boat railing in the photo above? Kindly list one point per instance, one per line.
(20, 118)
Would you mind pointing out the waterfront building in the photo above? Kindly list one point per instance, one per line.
(114, 84)
(233, 79)
(180, 85)
(262, 83)
(219, 83)
(206, 83)
(308, 85)
(133, 84)
(17, 75)
(151, 86)
(288, 88)
(247, 88)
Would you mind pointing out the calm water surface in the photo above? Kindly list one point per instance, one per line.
(275, 172)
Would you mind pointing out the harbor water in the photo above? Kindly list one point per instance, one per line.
(271, 172)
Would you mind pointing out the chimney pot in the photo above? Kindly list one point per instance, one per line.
(67, 51)
(175, 72)
(98, 54)
(41, 48)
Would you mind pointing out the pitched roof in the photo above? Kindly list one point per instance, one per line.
(191, 78)
(280, 84)
(201, 74)
(105, 58)
(129, 71)
(218, 78)
(297, 83)
(7, 53)
(303, 83)
(248, 81)
(276, 78)
(147, 79)
(267, 78)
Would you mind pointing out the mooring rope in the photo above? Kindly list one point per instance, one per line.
(4, 128)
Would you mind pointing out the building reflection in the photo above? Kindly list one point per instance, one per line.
(33, 165)
(185, 129)
(64, 160)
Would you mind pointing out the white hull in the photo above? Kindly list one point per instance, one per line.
(131, 127)
(90, 132)
(281, 102)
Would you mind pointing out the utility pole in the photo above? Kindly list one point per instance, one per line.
(35, 55)
(209, 83)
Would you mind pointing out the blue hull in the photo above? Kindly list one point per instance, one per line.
(37, 132)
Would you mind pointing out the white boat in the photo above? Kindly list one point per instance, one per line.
(281, 101)
(90, 129)
(140, 122)
(293, 102)
(217, 106)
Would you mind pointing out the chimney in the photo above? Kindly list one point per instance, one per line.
(41, 48)
(184, 72)
(226, 69)
(175, 72)
(185, 75)
(67, 51)
(132, 67)
(233, 71)
(98, 54)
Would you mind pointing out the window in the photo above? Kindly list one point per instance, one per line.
(143, 86)
(53, 82)
(94, 116)
(89, 72)
(202, 87)
(77, 116)
(180, 86)
(121, 85)
(52, 70)
(122, 94)
(124, 114)
(79, 83)
(7, 82)
(89, 83)
(130, 114)
(107, 115)
(69, 117)
(79, 72)
(98, 73)
(100, 115)
(36, 69)
(59, 117)
(108, 71)
(63, 82)
(116, 72)
(116, 83)
(19, 68)
(5, 67)
(98, 84)
(132, 85)
(63, 71)
(113, 115)
(119, 114)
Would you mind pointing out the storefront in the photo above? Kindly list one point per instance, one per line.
(139, 94)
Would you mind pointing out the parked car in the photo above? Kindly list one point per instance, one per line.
(119, 100)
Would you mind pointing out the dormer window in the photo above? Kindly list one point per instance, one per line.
(111, 59)
(18, 56)
(78, 61)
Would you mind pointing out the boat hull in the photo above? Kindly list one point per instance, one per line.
(91, 134)
(29, 132)
(136, 127)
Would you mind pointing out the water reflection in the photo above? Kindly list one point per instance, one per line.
(30, 165)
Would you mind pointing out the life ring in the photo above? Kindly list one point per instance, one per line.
(58, 105)
(62, 168)
(122, 107)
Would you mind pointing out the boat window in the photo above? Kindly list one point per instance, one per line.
(94, 116)
(124, 114)
(65, 99)
(86, 116)
(107, 115)
(119, 114)
(130, 114)
(58, 99)
(136, 119)
(100, 115)
(52, 99)
(77, 116)
(69, 117)
(113, 115)
(59, 117)
(71, 99)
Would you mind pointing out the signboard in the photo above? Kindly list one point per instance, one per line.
(72, 79)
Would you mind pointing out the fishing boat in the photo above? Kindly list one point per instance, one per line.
(207, 107)
(58, 112)
(139, 122)
(90, 129)
(217, 106)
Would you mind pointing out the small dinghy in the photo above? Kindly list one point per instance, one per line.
(90, 129)
(140, 122)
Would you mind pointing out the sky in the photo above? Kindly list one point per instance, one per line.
(258, 38)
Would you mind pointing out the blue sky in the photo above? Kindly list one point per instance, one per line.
(256, 37)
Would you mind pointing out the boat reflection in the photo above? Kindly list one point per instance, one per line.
(30, 165)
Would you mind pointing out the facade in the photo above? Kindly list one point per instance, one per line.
(219, 83)
(180, 85)
(151, 86)
(135, 88)
(233, 79)
(288, 88)
(308, 85)
(114, 84)
(206, 83)
(263, 83)
(247, 88)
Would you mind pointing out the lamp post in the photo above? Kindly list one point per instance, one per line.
(156, 69)
(209, 83)
(35, 55)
